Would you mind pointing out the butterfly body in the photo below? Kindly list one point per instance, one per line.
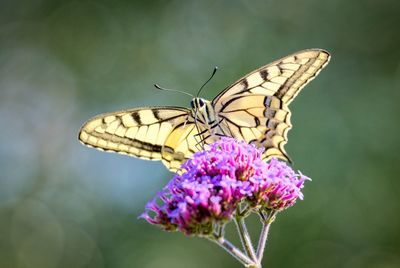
(254, 109)
(206, 120)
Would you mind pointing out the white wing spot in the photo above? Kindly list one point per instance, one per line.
(147, 117)
(279, 79)
(113, 127)
(128, 121)
(152, 133)
(100, 129)
(121, 130)
(288, 60)
(260, 90)
(123, 147)
(142, 133)
(254, 80)
(163, 133)
(101, 143)
(92, 140)
(131, 133)
(273, 71)
(271, 86)
(109, 119)
(84, 136)
(290, 66)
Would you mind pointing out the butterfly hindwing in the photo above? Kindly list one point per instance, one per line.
(179, 145)
(258, 119)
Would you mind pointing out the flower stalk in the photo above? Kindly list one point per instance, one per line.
(245, 237)
(266, 223)
(231, 249)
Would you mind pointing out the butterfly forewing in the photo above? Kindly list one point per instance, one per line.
(139, 132)
(283, 78)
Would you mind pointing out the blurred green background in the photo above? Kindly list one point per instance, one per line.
(62, 62)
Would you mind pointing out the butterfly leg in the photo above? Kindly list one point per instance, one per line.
(222, 129)
(199, 134)
(186, 120)
(202, 141)
(212, 132)
(195, 136)
(199, 139)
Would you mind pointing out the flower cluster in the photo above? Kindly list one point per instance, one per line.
(276, 186)
(213, 183)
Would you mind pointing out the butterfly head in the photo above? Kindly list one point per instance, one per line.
(203, 110)
(198, 104)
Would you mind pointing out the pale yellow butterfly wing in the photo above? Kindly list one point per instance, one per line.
(284, 77)
(180, 144)
(140, 132)
(255, 108)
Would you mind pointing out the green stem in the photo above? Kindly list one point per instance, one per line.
(245, 238)
(231, 249)
(266, 221)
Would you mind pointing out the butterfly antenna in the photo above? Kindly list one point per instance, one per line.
(173, 90)
(212, 75)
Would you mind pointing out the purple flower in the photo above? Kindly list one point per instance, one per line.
(212, 184)
(276, 186)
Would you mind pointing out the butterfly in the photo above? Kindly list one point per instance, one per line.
(253, 109)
